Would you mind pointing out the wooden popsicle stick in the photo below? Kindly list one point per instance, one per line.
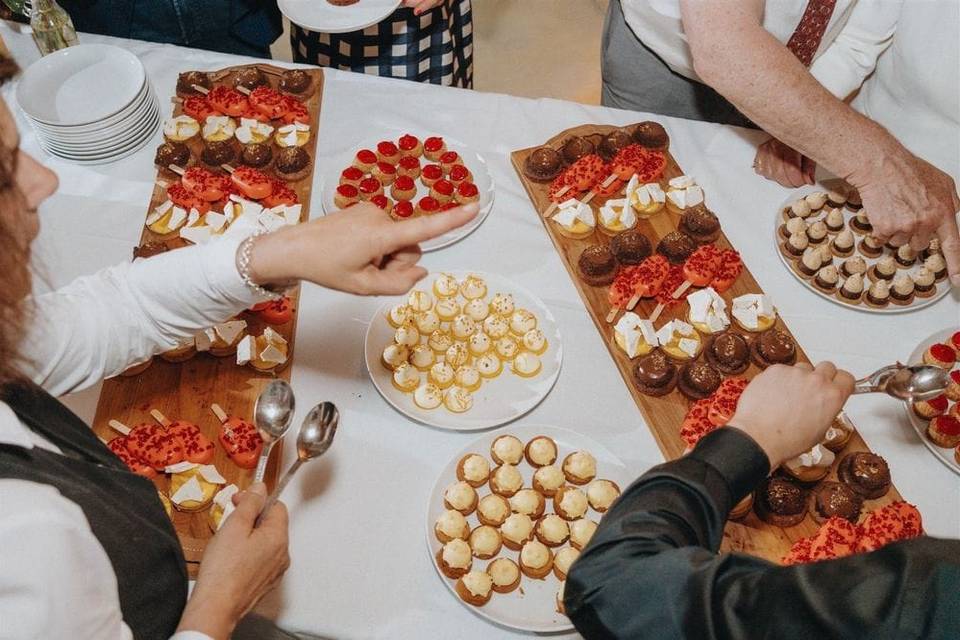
(656, 312)
(102, 440)
(633, 302)
(118, 426)
(244, 91)
(217, 411)
(553, 206)
(159, 417)
(613, 314)
(228, 168)
(683, 287)
(199, 89)
(176, 100)
(603, 185)
(177, 170)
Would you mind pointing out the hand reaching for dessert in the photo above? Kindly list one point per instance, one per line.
(787, 410)
(241, 564)
(359, 250)
(784, 165)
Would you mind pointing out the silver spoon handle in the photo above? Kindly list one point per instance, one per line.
(864, 386)
(262, 462)
(273, 497)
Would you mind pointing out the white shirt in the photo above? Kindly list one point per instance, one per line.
(56, 580)
(843, 59)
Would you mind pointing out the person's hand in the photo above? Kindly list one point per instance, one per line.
(787, 410)
(240, 565)
(909, 200)
(422, 6)
(784, 165)
(359, 250)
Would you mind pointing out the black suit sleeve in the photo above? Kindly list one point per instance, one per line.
(652, 568)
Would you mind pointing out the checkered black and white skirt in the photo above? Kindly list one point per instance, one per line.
(436, 47)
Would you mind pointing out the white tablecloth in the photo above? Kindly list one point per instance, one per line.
(360, 566)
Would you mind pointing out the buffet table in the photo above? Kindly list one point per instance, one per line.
(360, 565)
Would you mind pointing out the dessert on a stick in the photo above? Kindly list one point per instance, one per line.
(239, 438)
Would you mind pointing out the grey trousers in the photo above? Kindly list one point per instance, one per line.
(635, 78)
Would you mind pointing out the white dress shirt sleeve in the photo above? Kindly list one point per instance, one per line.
(100, 324)
(852, 56)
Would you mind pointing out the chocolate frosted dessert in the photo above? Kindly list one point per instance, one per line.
(613, 142)
(866, 473)
(773, 347)
(655, 375)
(676, 247)
(597, 266)
(728, 352)
(630, 247)
(187, 80)
(250, 78)
(543, 165)
(835, 499)
(651, 135)
(699, 223)
(292, 163)
(575, 148)
(697, 380)
(215, 154)
(295, 81)
(780, 502)
(172, 153)
(257, 155)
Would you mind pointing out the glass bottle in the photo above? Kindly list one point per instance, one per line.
(52, 27)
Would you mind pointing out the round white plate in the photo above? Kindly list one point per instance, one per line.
(143, 104)
(497, 401)
(147, 126)
(943, 287)
(133, 147)
(944, 455)
(93, 128)
(320, 15)
(471, 159)
(531, 606)
(80, 84)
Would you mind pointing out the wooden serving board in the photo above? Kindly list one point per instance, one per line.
(665, 414)
(187, 390)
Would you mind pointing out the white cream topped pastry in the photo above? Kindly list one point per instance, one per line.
(467, 377)
(906, 253)
(502, 304)
(828, 276)
(475, 468)
(453, 524)
(496, 326)
(903, 285)
(406, 377)
(855, 264)
(489, 365)
(526, 501)
(253, 131)
(800, 208)
(420, 301)
(407, 335)
(935, 263)
(796, 225)
(565, 558)
(507, 449)
(494, 507)
(456, 554)
(617, 215)
(812, 259)
(427, 322)
(479, 343)
(880, 290)
(484, 541)
(535, 554)
(478, 583)
(601, 494)
(634, 335)
(428, 396)
(923, 277)
(818, 456)
(580, 465)
(581, 531)
(541, 451)
(180, 128)
(645, 198)
(798, 242)
(457, 399)
(457, 354)
(400, 315)
(460, 496)
(477, 309)
(447, 309)
(296, 134)
(504, 572)
(575, 216)
(463, 326)
(440, 341)
(549, 478)
(573, 503)
(506, 479)
(517, 527)
(394, 355)
(522, 321)
(422, 357)
(816, 200)
(817, 231)
(753, 310)
(446, 285)
(218, 128)
(844, 240)
(534, 341)
(853, 285)
(708, 311)
(526, 364)
(553, 529)
(507, 348)
(473, 287)
(834, 219)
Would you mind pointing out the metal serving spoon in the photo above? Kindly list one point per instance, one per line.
(315, 437)
(272, 414)
(918, 382)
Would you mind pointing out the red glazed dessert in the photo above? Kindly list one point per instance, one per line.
(351, 175)
(427, 206)
(941, 355)
(409, 166)
(364, 160)
(931, 408)
(467, 192)
(346, 195)
(388, 152)
(430, 174)
(402, 210)
(370, 187)
(404, 188)
(442, 190)
(410, 145)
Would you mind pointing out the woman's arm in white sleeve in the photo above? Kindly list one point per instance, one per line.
(100, 324)
(853, 55)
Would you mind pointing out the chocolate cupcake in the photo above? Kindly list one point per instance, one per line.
(651, 135)
(655, 375)
(172, 153)
(543, 165)
(831, 499)
(292, 164)
(697, 380)
(700, 223)
(215, 154)
(257, 155)
(866, 473)
(575, 148)
(630, 247)
(773, 347)
(250, 78)
(676, 247)
(613, 142)
(295, 81)
(597, 266)
(780, 502)
(728, 352)
(187, 80)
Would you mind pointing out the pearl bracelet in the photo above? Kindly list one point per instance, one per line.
(244, 255)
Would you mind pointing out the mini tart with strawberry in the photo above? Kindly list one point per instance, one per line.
(475, 588)
(402, 210)
(944, 431)
(466, 193)
(493, 510)
(433, 148)
(346, 195)
(455, 558)
(403, 189)
(505, 575)
(451, 525)
(426, 206)
(442, 191)
(540, 451)
(430, 174)
(940, 355)
(473, 469)
(579, 467)
(536, 560)
(931, 408)
(570, 503)
(460, 496)
(410, 146)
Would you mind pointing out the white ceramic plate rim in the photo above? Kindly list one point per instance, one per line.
(920, 426)
(109, 141)
(440, 417)
(609, 466)
(37, 74)
(149, 124)
(143, 103)
(477, 162)
(133, 145)
(318, 15)
(943, 287)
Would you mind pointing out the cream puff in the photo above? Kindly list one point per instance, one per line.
(477, 309)
(851, 291)
(884, 269)
(506, 449)
(924, 282)
(528, 501)
(422, 357)
(496, 326)
(536, 560)
(601, 494)
(796, 244)
(506, 480)
(440, 341)
(460, 496)
(827, 278)
(853, 266)
(522, 321)
(562, 561)
(809, 263)
(505, 575)
(871, 247)
(455, 558)
(902, 289)
(540, 451)
(936, 265)
(842, 245)
(817, 232)
(473, 469)
(407, 335)
(878, 295)
(427, 321)
(516, 530)
(479, 343)
(493, 510)
(548, 479)
(581, 531)
(906, 256)
(447, 309)
(485, 542)
(399, 315)
(451, 525)
(475, 588)
(456, 354)
(472, 287)
(834, 220)
(506, 348)
(419, 301)
(579, 467)
(552, 530)
(570, 503)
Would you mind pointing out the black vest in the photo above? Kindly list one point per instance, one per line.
(121, 507)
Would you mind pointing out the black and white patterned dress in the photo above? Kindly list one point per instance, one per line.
(435, 47)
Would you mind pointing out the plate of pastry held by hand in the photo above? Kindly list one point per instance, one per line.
(509, 515)
(824, 238)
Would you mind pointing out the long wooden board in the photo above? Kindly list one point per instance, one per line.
(664, 415)
(186, 390)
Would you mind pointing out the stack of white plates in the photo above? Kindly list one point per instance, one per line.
(90, 104)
